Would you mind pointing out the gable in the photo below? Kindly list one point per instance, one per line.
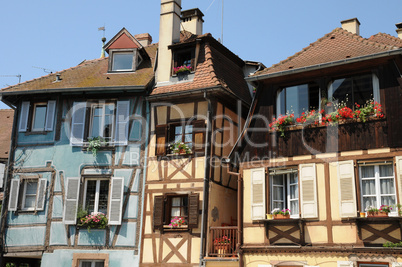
(123, 42)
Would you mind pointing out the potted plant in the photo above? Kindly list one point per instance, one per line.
(281, 214)
(182, 70)
(382, 212)
(96, 220)
(95, 143)
(177, 222)
(280, 123)
(180, 148)
(222, 245)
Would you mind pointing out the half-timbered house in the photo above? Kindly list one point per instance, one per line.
(78, 151)
(197, 111)
(323, 139)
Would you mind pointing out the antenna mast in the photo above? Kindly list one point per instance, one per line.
(222, 24)
(18, 76)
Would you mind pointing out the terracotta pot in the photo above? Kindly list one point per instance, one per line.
(281, 216)
(377, 214)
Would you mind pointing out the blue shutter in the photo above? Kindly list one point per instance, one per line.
(78, 124)
(51, 109)
(116, 201)
(24, 117)
(71, 201)
(122, 118)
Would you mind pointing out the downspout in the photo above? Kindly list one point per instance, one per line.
(5, 182)
(206, 181)
(144, 175)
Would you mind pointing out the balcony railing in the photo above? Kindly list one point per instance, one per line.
(223, 241)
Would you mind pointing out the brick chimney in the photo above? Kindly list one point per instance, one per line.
(399, 29)
(351, 25)
(145, 39)
(191, 20)
(169, 33)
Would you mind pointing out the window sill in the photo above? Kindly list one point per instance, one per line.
(36, 133)
(183, 228)
(107, 147)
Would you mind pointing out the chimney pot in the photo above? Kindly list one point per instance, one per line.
(144, 39)
(399, 29)
(351, 25)
(191, 21)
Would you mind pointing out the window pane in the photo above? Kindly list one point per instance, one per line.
(368, 187)
(387, 186)
(367, 171)
(176, 202)
(90, 195)
(122, 61)
(178, 130)
(342, 91)
(40, 117)
(278, 180)
(31, 187)
(362, 89)
(188, 138)
(103, 196)
(188, 129)
(293, 194)
(293, 178)
(30, 201)
(294, 207)
(369, 201)
(389, 200)
(297, 99)
(99, 264)
(386, 170)
(281, 106)
(175, 212)
(96, 125)
(277, 193)
(279, 205)
(85, 264)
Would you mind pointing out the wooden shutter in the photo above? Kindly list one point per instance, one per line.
(24, 117)
(116, 201)
(158, 212)
(398, 161)
(122, 114)
(40, 198)
(258, 194)
(161, 140)
(193, 210)
(198, 135)
(308, 190)
(71, 201)
(78, 124)
(347, 189)
(14, 190)
(50, 111)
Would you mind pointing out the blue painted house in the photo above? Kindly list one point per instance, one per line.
(79, 146)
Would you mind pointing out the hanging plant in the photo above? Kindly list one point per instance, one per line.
(95, 143)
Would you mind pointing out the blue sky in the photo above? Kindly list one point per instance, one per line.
(57, 35)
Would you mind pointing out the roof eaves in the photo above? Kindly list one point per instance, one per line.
(324, 65)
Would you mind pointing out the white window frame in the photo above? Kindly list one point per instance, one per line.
(94, 106)
(93, 262)
(287, 200)
(28, 115)
(137, 59)
(377, 180)
(34, 114)
(97, 192)
(24, 194)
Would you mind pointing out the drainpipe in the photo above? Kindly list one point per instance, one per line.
(3, 208)
(206, 181)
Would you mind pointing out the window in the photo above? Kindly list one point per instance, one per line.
(284, 191)
(189, 132)
(37, 117)
(356, 89)
(297, 99)
(377, 182)
(96, 195)
(169, 206)
(94, 263)
(124, 60)
(184, 58)
(109, 120)
(27, 194)
(102, 118)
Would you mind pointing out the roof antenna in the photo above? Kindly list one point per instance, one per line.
(44, 69)
(222, 25)
(103, 41)
(18, 76)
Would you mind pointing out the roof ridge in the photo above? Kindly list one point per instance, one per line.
(83, 63)
(385, 35)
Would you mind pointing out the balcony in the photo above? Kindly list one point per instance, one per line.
(223, 242)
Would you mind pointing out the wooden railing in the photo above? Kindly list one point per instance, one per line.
(223, 241)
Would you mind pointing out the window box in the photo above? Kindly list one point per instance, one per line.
(281, 216)
(377, 214)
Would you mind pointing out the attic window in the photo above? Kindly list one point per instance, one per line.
(185, 58)
(126, 60)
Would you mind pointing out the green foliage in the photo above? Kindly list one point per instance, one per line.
(97, 221)
(180, 148)
(95, 143)
(81, 213)
(392, 245)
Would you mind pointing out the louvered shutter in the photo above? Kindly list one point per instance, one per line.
(399, 176)
(71, 201)
(116, 201)
(14, 190)
(78, 124)
(122, 114)
(258, 194)
(198, 135)
(158, 212)
(50, 111)
(193, 201)
(161, 140)
(308, 190)
(347, 189)
(24, 117)
(40, 198)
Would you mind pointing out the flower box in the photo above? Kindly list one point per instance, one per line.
(377, 214)
(281, 216)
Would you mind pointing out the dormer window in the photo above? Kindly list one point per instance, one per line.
(127, 60)
(184, 58)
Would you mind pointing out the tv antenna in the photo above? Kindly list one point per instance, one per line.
(18, 76)
(44, 69)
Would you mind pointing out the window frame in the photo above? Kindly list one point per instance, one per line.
(78, 257)
(97, 192)
(26, 181)
(169, 208)
(177, 58)
(35, 105)
(377, 184)
(92, 108)
(136, 60)
(27, 116)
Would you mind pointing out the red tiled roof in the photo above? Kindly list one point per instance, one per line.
(334, 46)
(214, 68)
(92, 73)
(6, 118)
(386, 39)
